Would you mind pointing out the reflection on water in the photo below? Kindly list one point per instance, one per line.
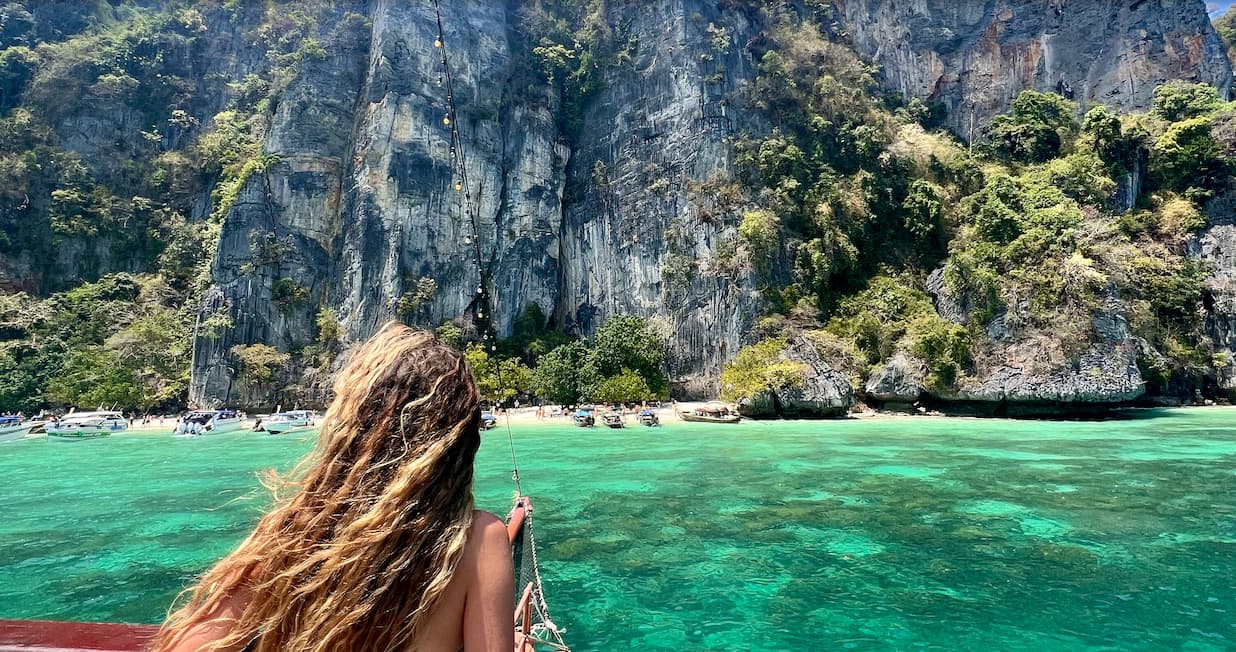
(884, 534)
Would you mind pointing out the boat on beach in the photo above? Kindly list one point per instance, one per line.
(649, 418)
(712, 413)
(584, 418)
(488, 420)
(86, 425)
(612, 420)
(14, 428)
(201, 422)
(277, 424)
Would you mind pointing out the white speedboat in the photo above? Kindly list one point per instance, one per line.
(86, 425)
(14, 428)
(282, 422)
(214, 422)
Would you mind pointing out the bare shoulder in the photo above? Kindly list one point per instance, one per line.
(482, 520)
(487, 529)
(487, 543)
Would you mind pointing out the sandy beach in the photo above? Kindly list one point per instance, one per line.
(559, 414)
(524, 416)
(515, 416)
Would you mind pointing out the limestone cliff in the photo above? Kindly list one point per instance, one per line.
(974, 57)
(1216, 247)
(618, 214)
(362, 203)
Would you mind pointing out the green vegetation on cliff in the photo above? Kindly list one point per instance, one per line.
(623, 363)
(122, 146)
(1033, 225)
(129, 132)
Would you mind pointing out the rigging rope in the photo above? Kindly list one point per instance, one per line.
(484, 313)
(459, 160)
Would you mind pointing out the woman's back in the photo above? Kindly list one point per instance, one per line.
(479, 603)
(378, 546)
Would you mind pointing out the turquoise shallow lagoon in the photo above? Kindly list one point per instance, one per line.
(904, 533)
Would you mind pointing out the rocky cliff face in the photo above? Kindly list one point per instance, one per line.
(1216, 247)
(639, 238)
(821, 392)
(974, 57)
(1024, 371)
(362, 202)
(622, 215)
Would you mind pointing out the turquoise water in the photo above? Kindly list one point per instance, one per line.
(909, 533)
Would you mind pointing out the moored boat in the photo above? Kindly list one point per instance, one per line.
(86, 425)
(712, 413)
(649, 418)
(214, 422)
(14, 428)
(584, 418)
(277, 424)
(612, 420)
(488, 420)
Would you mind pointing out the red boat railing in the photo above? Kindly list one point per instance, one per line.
(51, 636)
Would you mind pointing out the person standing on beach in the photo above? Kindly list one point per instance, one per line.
(376, 544)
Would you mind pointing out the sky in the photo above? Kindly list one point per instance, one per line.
(1217, 7)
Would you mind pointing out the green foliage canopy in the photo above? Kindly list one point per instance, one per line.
(757, 368)
(1038, 127)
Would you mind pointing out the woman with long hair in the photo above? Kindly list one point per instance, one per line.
(377, 546)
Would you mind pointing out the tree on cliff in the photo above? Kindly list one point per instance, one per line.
(1037, 128)
(757, 368)
(1226, 26)
(93, 378)
(624, 387)
(1181, 100)
(498, 379)
(260, 365)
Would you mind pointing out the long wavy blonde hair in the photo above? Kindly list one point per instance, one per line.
(359, 554)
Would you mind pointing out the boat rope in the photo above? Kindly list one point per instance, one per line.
(485, 319)
(459, 162)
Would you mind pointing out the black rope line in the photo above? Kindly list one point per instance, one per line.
(484, 306)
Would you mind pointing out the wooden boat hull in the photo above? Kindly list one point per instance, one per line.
(48, 636)
(77, 436)
(699, 418)
(225, 425)
(280, 427)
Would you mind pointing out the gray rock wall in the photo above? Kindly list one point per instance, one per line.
(657, 130)
(822, 392)
(1216, 247)
(615, 218)
(285, 222)
(403, 218)
(975, 56)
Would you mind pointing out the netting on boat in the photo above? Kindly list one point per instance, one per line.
(538, 628)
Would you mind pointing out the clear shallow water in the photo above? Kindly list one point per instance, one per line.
(910, 534)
